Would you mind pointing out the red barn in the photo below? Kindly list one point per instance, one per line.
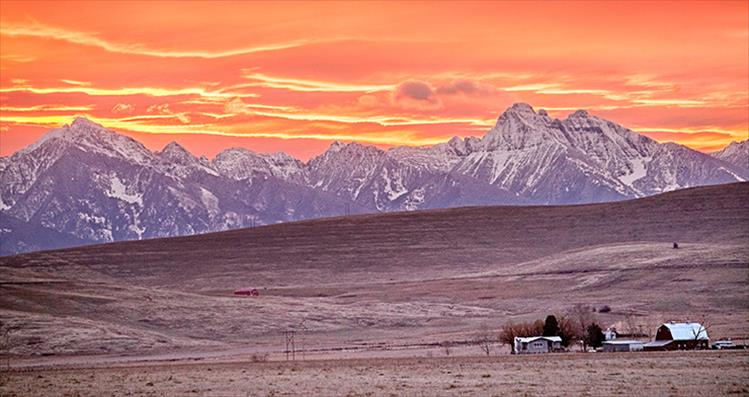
(247, 292)
(679, 336)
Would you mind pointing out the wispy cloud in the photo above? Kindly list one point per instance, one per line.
(136, 124)
(122, 91)
(90, 39)
(294, 84)
(123, 108)
(47, 108)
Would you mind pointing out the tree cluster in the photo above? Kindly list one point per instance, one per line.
(553, 326)
(578, 325)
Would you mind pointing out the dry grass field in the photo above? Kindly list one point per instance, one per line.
(706, 373)
(381, 290)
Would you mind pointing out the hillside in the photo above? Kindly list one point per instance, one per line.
(425, 275)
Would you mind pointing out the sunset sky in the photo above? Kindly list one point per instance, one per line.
(294, 76)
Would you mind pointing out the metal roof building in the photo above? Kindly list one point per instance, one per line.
(536, 344)
(683, 331)
(619, 345)
(679, 336)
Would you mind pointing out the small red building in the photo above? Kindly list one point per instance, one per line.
(247, 292)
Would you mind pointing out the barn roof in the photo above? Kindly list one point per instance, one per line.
(686, 331)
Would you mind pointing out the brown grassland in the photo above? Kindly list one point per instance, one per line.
(705, 373)
(373, 297)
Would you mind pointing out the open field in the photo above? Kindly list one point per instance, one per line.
(383, 289)
(609, 374)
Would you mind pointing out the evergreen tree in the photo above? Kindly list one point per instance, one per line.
(551, 326)
(594, 337)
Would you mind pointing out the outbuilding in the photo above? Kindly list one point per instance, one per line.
(247, 292)
(619, 345)
(679, 336)
(537, 344)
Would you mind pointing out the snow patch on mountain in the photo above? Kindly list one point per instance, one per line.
(639, 170)
(210, 201)
(118, 190)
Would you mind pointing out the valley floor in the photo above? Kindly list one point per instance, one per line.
(646, 374)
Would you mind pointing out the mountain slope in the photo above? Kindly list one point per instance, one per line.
(94, 185)
(415, 245)
(89, 184)
(585, 159)
(736, 153)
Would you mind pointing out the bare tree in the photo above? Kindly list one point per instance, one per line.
(652, 325)
(485, 339)
(508, 333)
(511, 330)
(701, 332)
(582, 316)
(566, 330)
(631, 326)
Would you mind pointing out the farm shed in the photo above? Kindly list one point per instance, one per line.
(622, 346)
(679, 336)
(537, 344)
(247, 292)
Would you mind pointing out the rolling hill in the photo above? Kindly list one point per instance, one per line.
(411, 276)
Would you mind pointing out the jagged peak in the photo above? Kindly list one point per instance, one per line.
(240, 152)
(174, 146)
(175, 150)
(734, 149)
(234, 151)
(336, 145)
(521, 107)
(579, 114)
(735, 144)
(81, 121)
(517, 111)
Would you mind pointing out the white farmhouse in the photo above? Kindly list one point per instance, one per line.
(537, 344)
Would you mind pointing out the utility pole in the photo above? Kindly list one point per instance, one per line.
(290, 344)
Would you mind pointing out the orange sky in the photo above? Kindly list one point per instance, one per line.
(294, 76)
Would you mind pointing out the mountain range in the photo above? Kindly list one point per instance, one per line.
(83, 183)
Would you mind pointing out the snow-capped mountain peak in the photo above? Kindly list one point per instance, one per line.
(579, 114)
(176, 152)
(85, 135)
(736, 153)
(336, 146)
(517, 128)
(240, 163)
(90, 184)
(520, 107)
(180, 162)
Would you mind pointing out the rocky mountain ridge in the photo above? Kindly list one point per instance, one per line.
(83, 183)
